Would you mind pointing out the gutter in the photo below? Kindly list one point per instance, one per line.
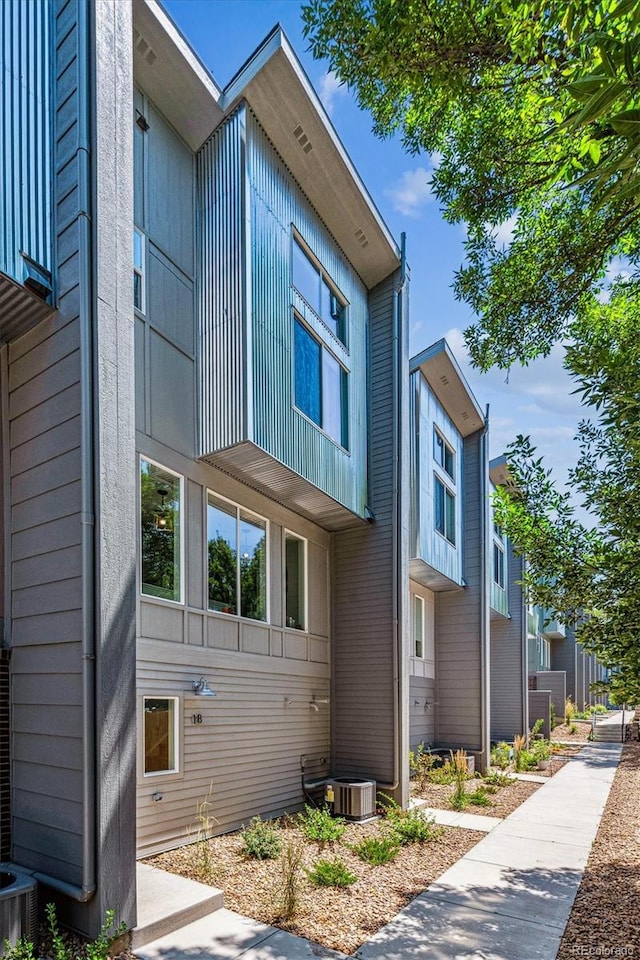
(485, 635)
(86, 94)
(397, 578)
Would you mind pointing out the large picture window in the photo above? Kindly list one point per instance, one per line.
(160, 521)
(237, 552)
(160, 722)
(321, 385)
(316, 289)
(445, 511)
(295, 565)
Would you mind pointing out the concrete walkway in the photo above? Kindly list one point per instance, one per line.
(509, 898)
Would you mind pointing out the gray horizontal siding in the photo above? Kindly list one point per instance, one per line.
(509, 661)
(422, 728)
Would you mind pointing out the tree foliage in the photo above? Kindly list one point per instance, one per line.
(531, 112)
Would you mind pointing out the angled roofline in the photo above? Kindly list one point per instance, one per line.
(442, 372)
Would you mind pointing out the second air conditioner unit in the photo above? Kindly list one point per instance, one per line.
(353, 798)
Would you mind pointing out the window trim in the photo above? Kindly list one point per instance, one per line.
(178, 771)
(446, 446)
(305, 546)
(345, 374)
(323, 275)
(498, 547)
(141, 271)
(180, 476)
(415, 640)
(267, 532)
(447, 490)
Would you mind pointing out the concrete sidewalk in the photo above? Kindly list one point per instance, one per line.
(509, 898)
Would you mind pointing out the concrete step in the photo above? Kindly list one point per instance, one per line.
(167, 902)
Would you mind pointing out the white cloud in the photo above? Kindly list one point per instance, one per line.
(504, 231)
(618, 268)
(330, 88)
(411, 192)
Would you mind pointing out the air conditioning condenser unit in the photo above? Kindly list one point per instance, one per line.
(18, 906)
(353, 798)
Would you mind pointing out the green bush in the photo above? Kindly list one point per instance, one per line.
(261, 840)
(501, 755)
(421, 763)
(479, 797)
(23, 949)
(498, 779)
(377, 850)
(331, 873)
(317, 824)
(410, 826)
(443, 774)
(599, 708)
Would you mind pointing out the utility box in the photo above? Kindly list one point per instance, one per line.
(352, 797)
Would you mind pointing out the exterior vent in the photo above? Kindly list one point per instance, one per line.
(353, 798)
(143, 48)
(360, 237)
(302, 139)
(465, 416)
(444, 379)
(18, 906)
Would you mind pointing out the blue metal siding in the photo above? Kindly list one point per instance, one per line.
(431, 546)
(249, 206)
(25, 135)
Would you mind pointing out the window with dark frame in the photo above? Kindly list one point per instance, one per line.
(445, 510)
(498, 564)
(160, 532)
(320, 384)
(237, 560)
(444, 454)
(315, 287)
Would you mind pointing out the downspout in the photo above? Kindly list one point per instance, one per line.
(524, 657)
(86, 92)
(485, 637)
(396, 580)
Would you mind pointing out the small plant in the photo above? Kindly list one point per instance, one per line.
(421, 763)
(331, 873)
(501, 755)
(498, 779)
(443, 774)
(554, 719)
(377, 850)
(540, 750)
(23, 949)
(261, 840)
(61, 950)
(569, 711)
(599, 708)
(519, 747)
(573, 728)
(290, 879)
(205, 822)
(536, 729)
(410, 826)
(317, 824)
(101, 946)
(479, 797)
(461, 770)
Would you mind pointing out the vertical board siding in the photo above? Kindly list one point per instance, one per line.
(244, 758)
(26, 213)
(362, 653)
(44, 438)
(432, 547)
(249, 203)
(459, 623)
(508, 661)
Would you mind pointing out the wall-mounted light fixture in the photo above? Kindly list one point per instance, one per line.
(201, 688)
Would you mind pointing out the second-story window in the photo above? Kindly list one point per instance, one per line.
(139, 291)
(443, 454)
(237, 550)
(321, 384)
(295, 585)
(160, 532)
(316, 289)
(498, 564)
(418, 626)
(444, 510)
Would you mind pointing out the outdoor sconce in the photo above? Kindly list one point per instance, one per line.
(201, 688)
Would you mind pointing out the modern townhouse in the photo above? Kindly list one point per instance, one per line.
(205, 409)
(449, 566)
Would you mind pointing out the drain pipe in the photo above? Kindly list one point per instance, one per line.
(396, 580)
(86, 89)
(485, 637)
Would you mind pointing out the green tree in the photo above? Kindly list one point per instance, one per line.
(533, 112)
(222, 575)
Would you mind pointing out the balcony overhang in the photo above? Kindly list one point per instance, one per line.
(170, 73)
(20, 309)
(443, 374)
(256, 468)
(274, 84)
(423, 573)
(554, 631)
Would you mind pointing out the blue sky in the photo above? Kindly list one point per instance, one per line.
(536, 400)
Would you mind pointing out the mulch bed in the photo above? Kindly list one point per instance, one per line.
(343, 918)
(605, 920)
(503, 802)
(563, 731)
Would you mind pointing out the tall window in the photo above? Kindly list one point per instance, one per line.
(498, 564)
(445, 510)
(418, 626)
(314, 286)
(138, 271)
(160, 521)
(295, 567)
(237, 549)
(443, 454)
(160, 721)
(321, 384)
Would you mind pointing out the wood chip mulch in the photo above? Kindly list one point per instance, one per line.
(503, 802)
(605, 920)
(342, 918)
(563, 731)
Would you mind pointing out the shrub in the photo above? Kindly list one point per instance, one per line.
(331, 873)
(554, 719)
(573, 728)
(569, 711)
(498, 779)
(100, 948)
(461, 770)
(501, 755)
(290, 878)
(479, 797)
(599, 708)
(537, 727)
(444, 774)
(261, 840)
(377, 850)
(23, 949)
(540, 750)
(420, 764)
(317, 824)
(410, 826)
(519, 746)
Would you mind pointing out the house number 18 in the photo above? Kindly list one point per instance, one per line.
(196, 718)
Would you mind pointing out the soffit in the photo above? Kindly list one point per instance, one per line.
(441, 371)
(20, 309)
(279, 93)
(170, 73)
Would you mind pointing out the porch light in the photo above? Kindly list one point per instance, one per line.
(201, 688)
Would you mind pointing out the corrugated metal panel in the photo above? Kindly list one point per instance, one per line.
(25, 135)
(248, 203)
(509, 662)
